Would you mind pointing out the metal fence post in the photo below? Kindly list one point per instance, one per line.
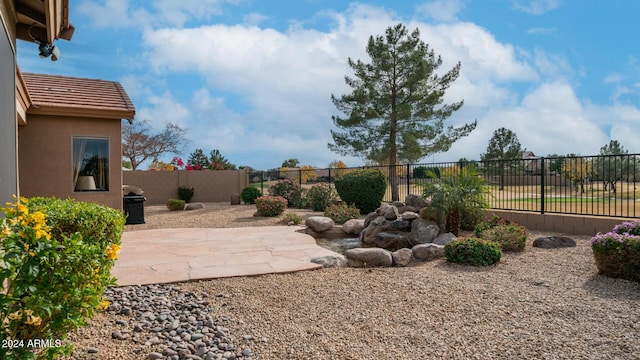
(542, 184)
(408, 179)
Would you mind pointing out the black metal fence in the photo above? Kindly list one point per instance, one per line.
(603, 185)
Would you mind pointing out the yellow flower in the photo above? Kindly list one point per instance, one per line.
(26, 247)
(23, 209)
(6, 231)
(15, 315)
(104, 304)
(42, 233)
(38, 217)
(31, 319)
(112, 251)
(32, 253)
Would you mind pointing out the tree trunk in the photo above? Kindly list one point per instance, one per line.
(453, 222)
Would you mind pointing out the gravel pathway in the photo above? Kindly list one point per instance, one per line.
(539, 304)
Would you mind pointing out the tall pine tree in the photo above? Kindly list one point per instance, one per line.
(395, 112)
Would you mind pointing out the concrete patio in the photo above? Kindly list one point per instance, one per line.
(174, 255)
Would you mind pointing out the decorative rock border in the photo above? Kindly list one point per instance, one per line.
(394, 235)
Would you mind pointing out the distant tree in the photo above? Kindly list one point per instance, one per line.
(612, 165)
(338, 168)
(555, 162)
(308, 173)
(219, 162)
(578, 170)
(198, 160)
(503, 145)
(140, 143)
(290, 163)
(395, 111)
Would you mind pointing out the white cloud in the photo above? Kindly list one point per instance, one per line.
(441, 10)
(535, 7)
(284, 80)
(254, 19)
(128, 13)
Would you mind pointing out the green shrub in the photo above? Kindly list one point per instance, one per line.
(270, 205)
(473, 251)
(250, 194)
(470, 217)
(617, 253)
(185, 193)
(286, 188)
(175, 204)
(55, 264)
(299, 198)
(362, 188)
(341, 213)
(291, 217)
(486, 225)
(321, 196)
(511, 237)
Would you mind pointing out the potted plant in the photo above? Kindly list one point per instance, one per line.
(185, 193)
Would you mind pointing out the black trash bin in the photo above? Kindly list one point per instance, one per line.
(134, 209)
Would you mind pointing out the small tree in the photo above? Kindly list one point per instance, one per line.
(198, 160)
(140, 143)
(395, 111)
(454, 193)
(613, 163)
(338, 168)
(577, 170)
(503, 145)
(290, 163)
(219, 162)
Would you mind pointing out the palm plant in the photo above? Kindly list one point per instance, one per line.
(449, 195)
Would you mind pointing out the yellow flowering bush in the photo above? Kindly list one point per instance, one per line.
(55, 263)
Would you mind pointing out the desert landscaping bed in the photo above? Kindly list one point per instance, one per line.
(538, 304)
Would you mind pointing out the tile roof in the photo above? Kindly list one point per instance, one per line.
(71, 96)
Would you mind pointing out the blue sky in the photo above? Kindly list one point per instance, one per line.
(254, 78)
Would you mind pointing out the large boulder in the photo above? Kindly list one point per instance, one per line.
(423, 231)
(415, 201)
(368, 257)
(387, 240)
(369, 218)
(444, 239)
(319, 223)
(409, 215)
(427, 252)
(554, 242)
(353, 226)
(402, 257)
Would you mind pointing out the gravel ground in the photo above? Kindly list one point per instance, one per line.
(539, 304)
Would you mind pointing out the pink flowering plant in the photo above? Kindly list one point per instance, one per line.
(617, 253)
(271, 205)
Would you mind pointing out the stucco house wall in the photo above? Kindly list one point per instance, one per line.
(46, 165)
(8, 125)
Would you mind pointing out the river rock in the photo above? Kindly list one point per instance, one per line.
(402, 257)
(319, 223)
(444, 239)
(330, 261)
(194, 206)
(353, 226)
(428, 251)
(368, 257)
(554, 242)
(423, 231)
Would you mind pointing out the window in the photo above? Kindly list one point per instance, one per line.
(90, 164)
